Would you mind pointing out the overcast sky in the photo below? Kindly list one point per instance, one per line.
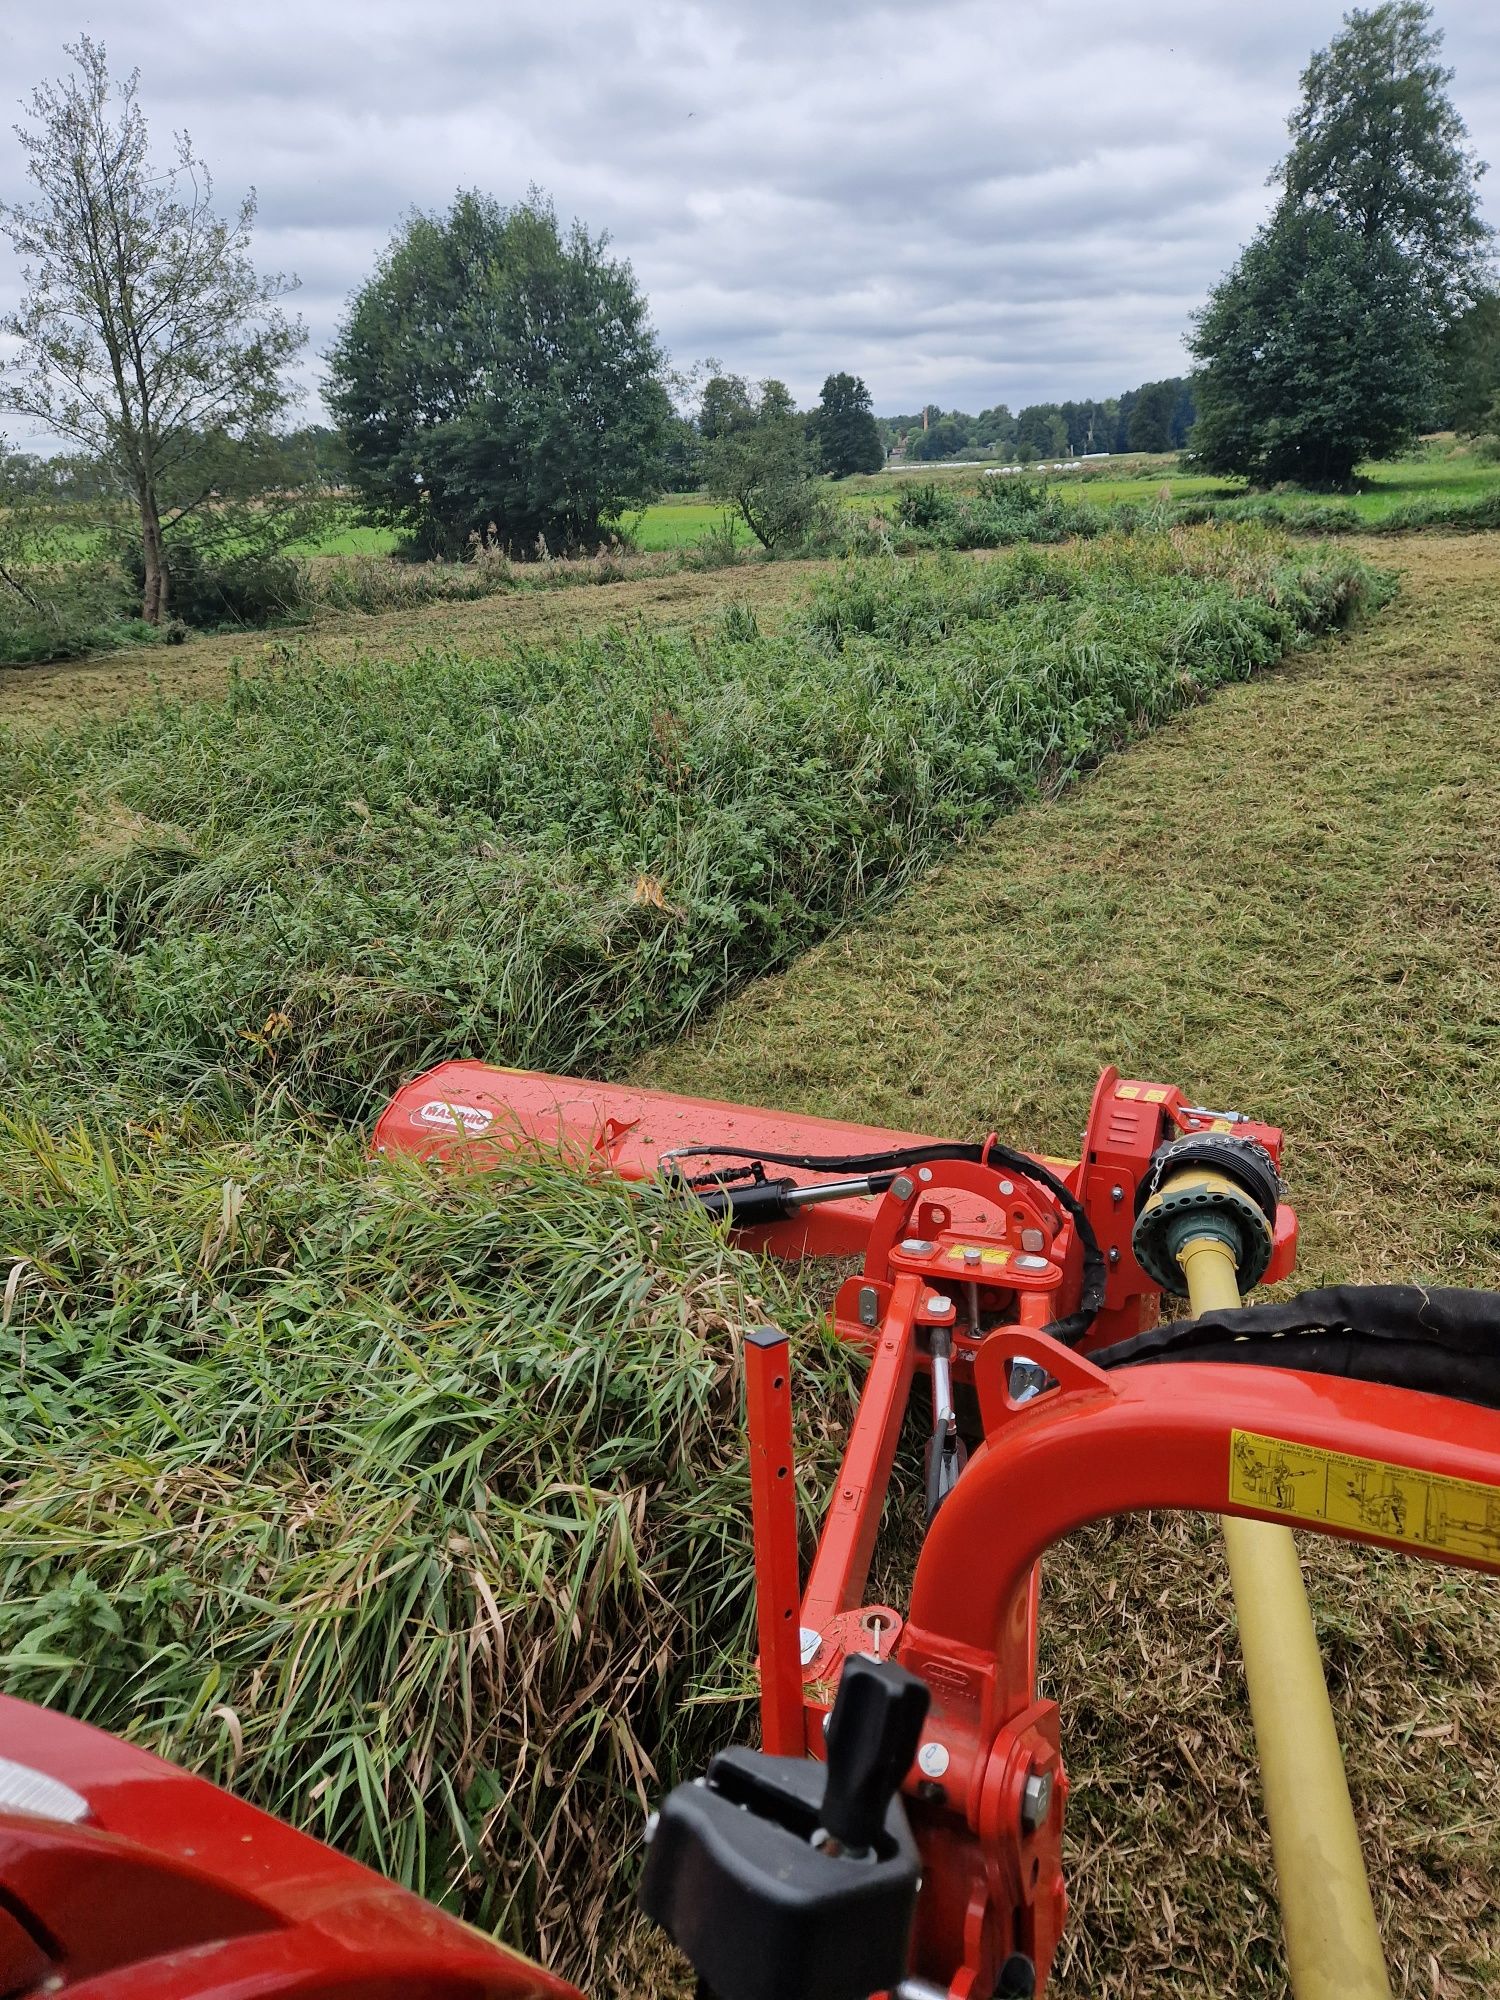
(964, 203)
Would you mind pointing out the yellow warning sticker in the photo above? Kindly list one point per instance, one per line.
(1458, 1517)
(1155, 1096)
(959, 1251)
(1128, 1090)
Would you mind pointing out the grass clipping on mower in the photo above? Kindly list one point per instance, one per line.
(417, 1512)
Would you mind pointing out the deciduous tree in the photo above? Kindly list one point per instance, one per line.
(764, 467)
(848, 436)
(499, 372)
(1323, 345)
(728, 405)
(1471, 369)
(944, 437)
(143, 327)
(1150, 426)
(1378, 145)
(1315, 357)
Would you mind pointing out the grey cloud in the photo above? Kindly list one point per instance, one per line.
(964, 200)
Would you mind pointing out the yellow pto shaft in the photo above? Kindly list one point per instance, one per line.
(1332, 1941)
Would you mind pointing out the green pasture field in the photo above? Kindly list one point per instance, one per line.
(1438, 470)
(1440, 467)
(350, 538)
(679, 520)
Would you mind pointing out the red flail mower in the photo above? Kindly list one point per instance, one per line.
(900, 1829)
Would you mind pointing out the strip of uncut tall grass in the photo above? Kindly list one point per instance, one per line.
(416, 1512)
(551, 857)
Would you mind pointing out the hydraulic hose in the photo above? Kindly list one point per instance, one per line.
(1332, 1941)
(743, 1207)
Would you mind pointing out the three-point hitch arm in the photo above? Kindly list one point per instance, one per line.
(1372, 1415)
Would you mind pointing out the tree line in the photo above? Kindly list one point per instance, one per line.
(498, 377)
(1158, 416)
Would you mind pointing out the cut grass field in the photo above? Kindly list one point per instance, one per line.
(1288, 900)
(33, 698)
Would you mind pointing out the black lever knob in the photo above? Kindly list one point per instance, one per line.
(872, 1737)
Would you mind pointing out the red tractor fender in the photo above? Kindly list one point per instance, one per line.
(125, 1878)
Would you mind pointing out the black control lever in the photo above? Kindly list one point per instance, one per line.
(873, 1735)
(784, 1879)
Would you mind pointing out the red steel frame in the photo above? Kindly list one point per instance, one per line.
(768, 1412)
(162, 1887)
(1095, 1444)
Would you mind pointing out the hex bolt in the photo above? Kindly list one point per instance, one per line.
(973, 1254)
(903, 1188)
(1036, 1800)
(1032, 1239)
